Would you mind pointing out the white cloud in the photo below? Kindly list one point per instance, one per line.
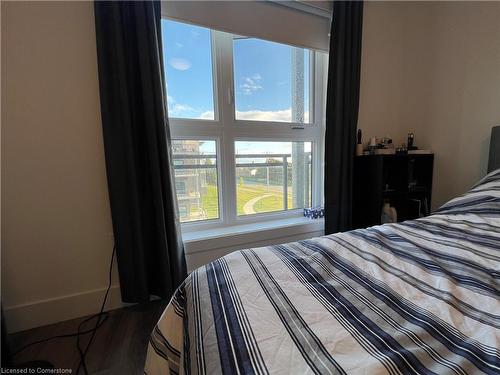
(251, 84)
(177, 109)
(207, 115)
(179, 63)
(284, 115)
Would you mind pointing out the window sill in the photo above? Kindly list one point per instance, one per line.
(205, 240)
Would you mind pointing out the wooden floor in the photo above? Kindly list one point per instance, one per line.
(119, 346)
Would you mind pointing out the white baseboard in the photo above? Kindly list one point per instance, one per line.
(52, 310)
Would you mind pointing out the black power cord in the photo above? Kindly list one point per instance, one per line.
(101, 316)
(52, 338)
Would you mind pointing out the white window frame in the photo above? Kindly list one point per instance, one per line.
(225, 130)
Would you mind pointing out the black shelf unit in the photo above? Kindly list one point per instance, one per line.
(403, 180)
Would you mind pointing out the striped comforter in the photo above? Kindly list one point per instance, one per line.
(419, 297)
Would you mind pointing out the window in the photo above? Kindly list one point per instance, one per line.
(187, 54)
(272, 176)
(195, 167)
(180, 186)
(271, 81)
(258, 156)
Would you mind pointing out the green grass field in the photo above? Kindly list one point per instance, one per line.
(245, 193)
(209, 202)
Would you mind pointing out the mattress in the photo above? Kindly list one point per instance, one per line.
(418, 297)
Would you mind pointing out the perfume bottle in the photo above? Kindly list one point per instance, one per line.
(410, 141)
(359, 144)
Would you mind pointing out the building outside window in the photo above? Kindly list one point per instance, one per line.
(195, 179)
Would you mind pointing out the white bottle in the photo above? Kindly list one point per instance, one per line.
(389, 214)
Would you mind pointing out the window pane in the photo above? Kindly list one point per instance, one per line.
(187, 54)
(271, 81)
(195, 165)
(272, 176)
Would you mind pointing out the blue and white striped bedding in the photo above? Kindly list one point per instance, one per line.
(419, 297)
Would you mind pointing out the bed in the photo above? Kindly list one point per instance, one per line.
(418, 297)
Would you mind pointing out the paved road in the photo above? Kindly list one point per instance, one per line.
(248, 207)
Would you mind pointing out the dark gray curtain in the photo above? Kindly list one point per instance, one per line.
(149, 249)
(342, 104)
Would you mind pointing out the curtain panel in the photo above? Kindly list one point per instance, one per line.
(342, 103)
(139, 165)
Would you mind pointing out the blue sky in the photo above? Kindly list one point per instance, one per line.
(188, 69)
(262, 72)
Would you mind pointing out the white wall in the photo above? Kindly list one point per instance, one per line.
(464, 92)
(395, 59)
(56, 224)
(434, 69)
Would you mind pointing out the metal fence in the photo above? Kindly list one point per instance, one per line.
(255, 161)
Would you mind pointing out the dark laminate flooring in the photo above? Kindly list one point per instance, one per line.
(119, 346)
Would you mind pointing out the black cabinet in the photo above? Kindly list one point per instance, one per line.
(405, 181)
